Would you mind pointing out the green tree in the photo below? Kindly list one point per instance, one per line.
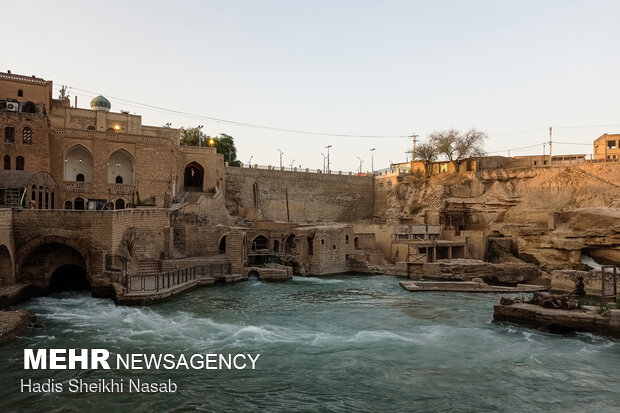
(457, 146)
(193, 136)
(225, 144)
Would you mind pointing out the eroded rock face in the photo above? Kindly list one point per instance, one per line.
(464, 270)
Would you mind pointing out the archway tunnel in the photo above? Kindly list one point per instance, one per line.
(69, 277)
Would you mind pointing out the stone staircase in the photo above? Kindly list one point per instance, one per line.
(595, 178)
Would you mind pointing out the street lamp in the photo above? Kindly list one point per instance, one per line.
(281, 153)
(250, 161)
(327, 147)
(361, 162)
(323, 162)
(292, 164)
(372, 160)
(199, 127)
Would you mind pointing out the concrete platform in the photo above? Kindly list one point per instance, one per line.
(588, 319)
(468, 287)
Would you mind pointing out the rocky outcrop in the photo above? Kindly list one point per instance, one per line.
(465, 270)
(14, 323)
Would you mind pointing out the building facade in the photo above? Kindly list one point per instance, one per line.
(607, 147)
(99, 159)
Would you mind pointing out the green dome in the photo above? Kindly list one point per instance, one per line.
(100, 103)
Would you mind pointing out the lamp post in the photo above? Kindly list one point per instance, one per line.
(372, 160)
(327, 147)
(250, 161)
(281, 153)
(361, 162)
(199, 127)
(323, 162)
(292, 164)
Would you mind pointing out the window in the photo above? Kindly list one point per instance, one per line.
(611, 145)
(19, 163)
(91, 128)
(29, 107)
(389, 183)
(9, 134)
(79, 203)
(222, 246)
(7, 162)
(20, 93)
(79, 178)
(68, 205)
(27, 136)
(119, 179)
(110, 130)
(346, 239)
(310, 246)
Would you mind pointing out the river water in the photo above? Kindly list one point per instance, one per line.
(344, 344)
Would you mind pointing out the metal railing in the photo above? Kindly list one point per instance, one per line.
(171, 278)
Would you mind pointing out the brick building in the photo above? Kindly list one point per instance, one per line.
(607, 147)
(99, 159)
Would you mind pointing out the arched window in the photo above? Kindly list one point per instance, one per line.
(120, 203)
(222, 247)
(27, 135)
(19, 163)
(346, 239)
(40, 197)
(119, 179)
(310, 246)
(20, 93)
(29, 107)
(9, 134)
(47, 198)
(260, 243)
(78, 203)
(68, 205)
(7, 162)
(91, 127)
(276, 245)
(110, 130)
(290, 243)
(356, 242)
(79, 178)
(34, 194)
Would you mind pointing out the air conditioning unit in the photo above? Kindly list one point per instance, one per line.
(12, 106)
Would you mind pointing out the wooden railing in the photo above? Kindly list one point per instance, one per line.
(168, 279)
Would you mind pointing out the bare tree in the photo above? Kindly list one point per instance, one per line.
(457, 147)
(427, 153)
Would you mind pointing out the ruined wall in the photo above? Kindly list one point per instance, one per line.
(312, 197)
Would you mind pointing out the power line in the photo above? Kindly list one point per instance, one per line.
(250, 125)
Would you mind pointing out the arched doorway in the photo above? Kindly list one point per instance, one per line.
(6, 266)
(78, 203)
(356, 243)
(222, 246)
(120, 203)
(260, 243)
(194, 175)
(290, 243)
(68, 205)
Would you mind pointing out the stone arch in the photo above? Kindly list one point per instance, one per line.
(222, 245)
(68, 205)
(29, 107)
(39, 259)
(121, 165)
(193, 177)
(290, 243)
(78, 161)
(78, 203)
(7, 275)
(260, 242)
(119, 203)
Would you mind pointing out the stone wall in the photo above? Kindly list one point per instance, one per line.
(7, 253)
(312, 197)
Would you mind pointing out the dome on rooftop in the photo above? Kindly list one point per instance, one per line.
(100, 103)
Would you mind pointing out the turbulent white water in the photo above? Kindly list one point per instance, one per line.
(586, 259)
(352, 343)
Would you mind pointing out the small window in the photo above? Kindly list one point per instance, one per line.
(222, 246)
(91, 127)
(322, 242)
(29, 107)
(20, 93)
(9, 134)
(389, 183)
(79, 203)
(119, 179)
(7, 163)
(611, 144)
(27, 136)
(111, 130)
(19, 163)
(68, 205)
(79, 177)
(334, 246)
(346, 239)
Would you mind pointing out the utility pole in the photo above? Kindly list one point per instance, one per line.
(281, 153)
(361, 162)
(199, 137)
(327, 147)
(293, 161)
(372, 160)
(550, 128)
(414, 137)
(324, 157)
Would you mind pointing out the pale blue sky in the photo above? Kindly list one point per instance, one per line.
(345, 67)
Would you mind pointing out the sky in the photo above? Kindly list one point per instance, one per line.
(363, 68)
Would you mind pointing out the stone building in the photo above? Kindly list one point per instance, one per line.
(100, 159)
(607, 147)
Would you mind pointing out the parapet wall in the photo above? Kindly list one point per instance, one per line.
(309, 197)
